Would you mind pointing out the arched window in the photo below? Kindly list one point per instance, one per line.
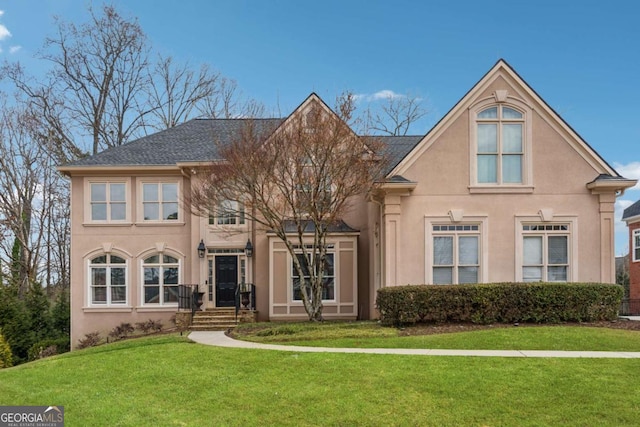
(108, 280)
(500, 145)
(161, 275)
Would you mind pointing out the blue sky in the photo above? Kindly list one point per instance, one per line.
(582, 57)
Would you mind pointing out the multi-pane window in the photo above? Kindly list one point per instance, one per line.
(545, 250)
(229, 212)
(500, 146)
(161, 274)
(108, 280)
(108, 201)
(636, 245)
(456, 253)
(308, 264)
(160, 201)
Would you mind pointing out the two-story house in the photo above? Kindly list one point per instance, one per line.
(501, 189)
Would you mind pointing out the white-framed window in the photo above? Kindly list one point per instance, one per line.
(546, 254)
(161, 275)
(456, 253)
(107, 280)
(308, 263)
(108, 201)
(500, 145)
(229, 212)
(160, 201)
(636, 245)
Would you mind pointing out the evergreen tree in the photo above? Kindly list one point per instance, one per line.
(15, 324)
(60, 314)
(38, 308)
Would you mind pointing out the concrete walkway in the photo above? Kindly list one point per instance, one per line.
(219, 339)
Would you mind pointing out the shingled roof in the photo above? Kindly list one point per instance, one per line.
(631, 211)
(193, 141)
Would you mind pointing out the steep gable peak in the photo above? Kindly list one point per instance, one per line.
(502, 84)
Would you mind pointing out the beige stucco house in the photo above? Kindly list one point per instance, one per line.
(500, 190)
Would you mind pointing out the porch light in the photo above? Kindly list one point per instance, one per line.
(201, 249)
(248, 249)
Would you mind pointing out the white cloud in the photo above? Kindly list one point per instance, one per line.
(4, 32)
(630, 170)
(14, 49)
(380, 95)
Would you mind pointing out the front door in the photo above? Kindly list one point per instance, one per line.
(226, 280)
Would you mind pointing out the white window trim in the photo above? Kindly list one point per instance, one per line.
(108, 305)
(215, 216)
(87, 201)
(140, 203)
(141, 273)
(636, 233)
(527, 162)
(483, 244)
(572, 247)
(336, 274)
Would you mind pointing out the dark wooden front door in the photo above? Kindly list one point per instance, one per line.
(226, 280)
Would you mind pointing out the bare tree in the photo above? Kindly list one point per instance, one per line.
(91, 91)
(22, 170)
(177, 92)
(396, 115)
(297, 181)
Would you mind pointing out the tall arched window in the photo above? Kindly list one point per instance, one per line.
(500, 145)
(108, 280)
(161, 276)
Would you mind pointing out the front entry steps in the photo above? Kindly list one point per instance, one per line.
(220, 319)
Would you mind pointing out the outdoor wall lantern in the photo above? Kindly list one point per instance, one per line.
(201, 249)
(248, 250)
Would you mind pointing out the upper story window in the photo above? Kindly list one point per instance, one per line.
(636, 245)
(108, 201)
(229, 212)
(108, 280)
(500, 146)
(160, 201)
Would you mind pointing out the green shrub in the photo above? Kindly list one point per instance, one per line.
(49, 347)
(499, 302)
(6, 359)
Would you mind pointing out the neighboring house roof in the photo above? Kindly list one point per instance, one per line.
(632, 211)
(191, 141)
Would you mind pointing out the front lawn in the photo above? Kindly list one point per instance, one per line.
(167, 380)
(498, 337)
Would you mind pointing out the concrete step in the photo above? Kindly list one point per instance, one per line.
(221, 327)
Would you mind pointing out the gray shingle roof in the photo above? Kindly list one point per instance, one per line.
(631, 211)
(191, 141)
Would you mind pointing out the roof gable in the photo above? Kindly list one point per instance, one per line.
(503, 70)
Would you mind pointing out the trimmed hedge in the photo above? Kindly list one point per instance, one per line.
(499, 303)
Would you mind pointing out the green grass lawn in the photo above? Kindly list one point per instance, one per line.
(167, 381)
(372, 335)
